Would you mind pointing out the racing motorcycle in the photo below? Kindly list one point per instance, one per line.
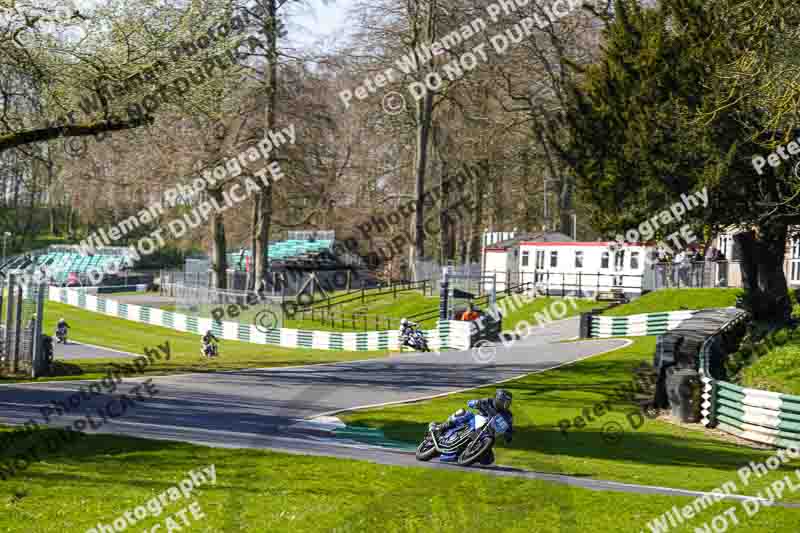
(415, 339)
(469, 442)
(210, 350)
(61, 335)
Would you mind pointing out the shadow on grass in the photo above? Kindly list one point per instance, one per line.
(634, 445)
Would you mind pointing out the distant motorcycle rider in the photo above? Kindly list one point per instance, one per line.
(488, 407)
(208, 338)
(61, 329)
(406, 329)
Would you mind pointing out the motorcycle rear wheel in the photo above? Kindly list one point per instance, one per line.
(426, 450)
(474, 451)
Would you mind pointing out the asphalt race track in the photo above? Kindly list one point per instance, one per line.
(270, 408)
(77, 350)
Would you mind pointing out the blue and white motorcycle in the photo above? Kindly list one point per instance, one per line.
(469, 442)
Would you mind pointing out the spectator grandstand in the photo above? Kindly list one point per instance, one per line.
(291, 253)
(65, 265)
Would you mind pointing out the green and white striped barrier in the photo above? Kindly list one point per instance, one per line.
(447, 335)
(752, 414)
(637, 325)
(761, 416)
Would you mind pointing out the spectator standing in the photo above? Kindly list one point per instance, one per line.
(677, 267)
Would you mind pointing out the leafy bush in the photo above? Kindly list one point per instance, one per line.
(780, 337)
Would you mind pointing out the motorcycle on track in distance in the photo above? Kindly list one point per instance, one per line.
(415, 339)
(210, 350)
(61, 335)
(411, 336)
(469, 442)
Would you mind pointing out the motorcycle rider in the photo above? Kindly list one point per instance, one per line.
(406, 329)
(488, 407)
(208, 338)
(62, 326)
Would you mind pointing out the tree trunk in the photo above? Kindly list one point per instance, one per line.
(565, 207)
(261, 259)
(424, 108)
(763, 278)
(439, 145)
(462, 243)
(251, 275)
(424, 120)
(444, 219)
(219, 261)
(477, 183)
(262, 235)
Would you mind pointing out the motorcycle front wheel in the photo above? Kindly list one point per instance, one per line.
(426, 450)
(475, 450)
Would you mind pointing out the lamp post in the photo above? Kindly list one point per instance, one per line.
(546, 220)
(6, 235)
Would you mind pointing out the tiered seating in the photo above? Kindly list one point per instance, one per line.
(284, 251)
(60, 263)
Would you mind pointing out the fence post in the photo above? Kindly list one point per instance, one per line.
(19, 331)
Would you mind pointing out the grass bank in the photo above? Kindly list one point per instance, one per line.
(676, 300)
(133, 337)
(619, 445)
(99, 478)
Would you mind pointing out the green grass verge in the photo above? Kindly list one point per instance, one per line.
(98, 478)
(129, 336)
(777, 371)
(677, 300)
(407, 303)
(657, 452)
(545, 308)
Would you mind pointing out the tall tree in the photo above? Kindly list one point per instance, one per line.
(655, 95)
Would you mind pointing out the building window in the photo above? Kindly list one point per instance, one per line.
(553, 259)
(794, 260)
(578, 259)
(604, 260)
(525, 259)
(634, 260)
(723, 245)
(619, 260)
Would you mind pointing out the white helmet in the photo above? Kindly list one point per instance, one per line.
(403, 322)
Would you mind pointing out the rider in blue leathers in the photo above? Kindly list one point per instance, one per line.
(488, 407)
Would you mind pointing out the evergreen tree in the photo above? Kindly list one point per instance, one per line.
(653, 119)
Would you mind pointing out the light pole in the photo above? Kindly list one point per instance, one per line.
(6, 235)
(546, 222)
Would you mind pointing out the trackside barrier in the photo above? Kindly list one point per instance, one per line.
(448, 334)
(637, 325)
(109, 289)
(752, 414)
